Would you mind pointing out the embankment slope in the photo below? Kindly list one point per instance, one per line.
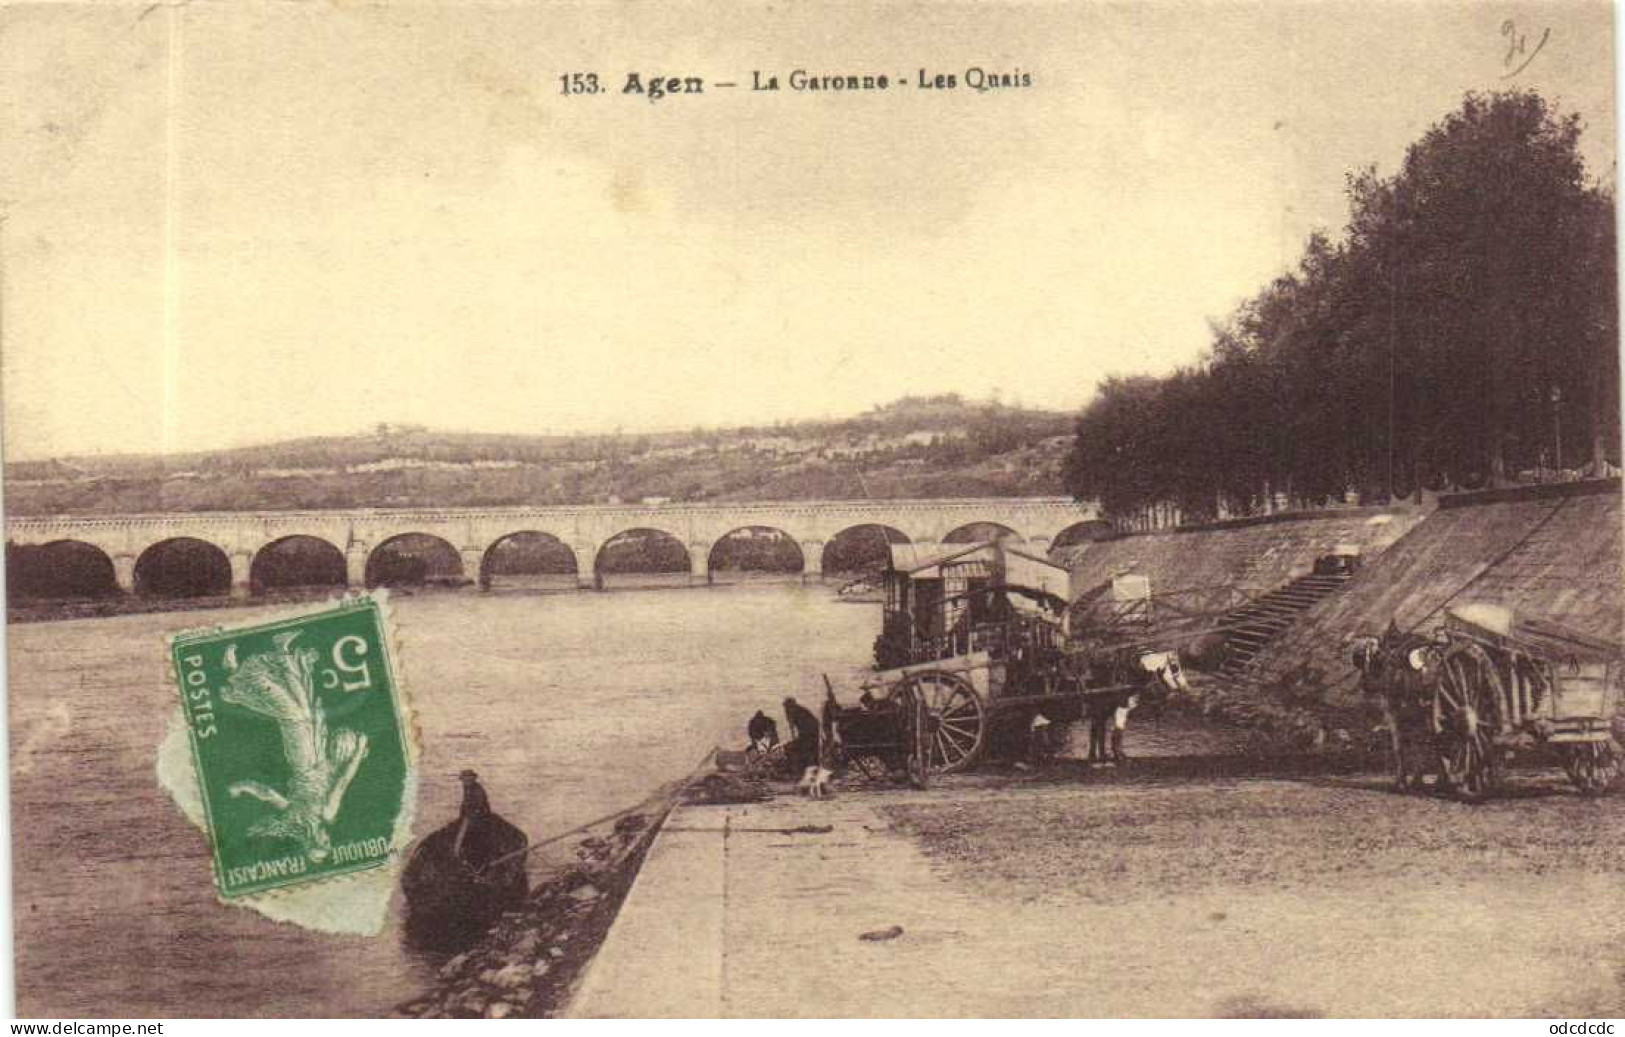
(1253, 555)
(1551, 551)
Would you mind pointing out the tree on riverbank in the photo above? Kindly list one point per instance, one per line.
(1464, 328)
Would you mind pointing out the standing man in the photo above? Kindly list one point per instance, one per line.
(471, 821)
(1102, 713)
(476, 804)
(802, 748)
(1120, 724)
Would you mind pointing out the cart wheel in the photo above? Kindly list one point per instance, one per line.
(956, 722)
(916, 737)
(1466, 717)
(1592, 766)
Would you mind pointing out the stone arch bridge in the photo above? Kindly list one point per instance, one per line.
(355, 535)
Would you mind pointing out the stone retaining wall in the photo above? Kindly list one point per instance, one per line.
(1255, 555)
(1550, 551)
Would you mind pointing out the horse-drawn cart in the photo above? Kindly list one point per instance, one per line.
(975, 642)
(1489, 683)
(881, 736)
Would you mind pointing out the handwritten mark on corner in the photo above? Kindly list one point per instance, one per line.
(1518, 46)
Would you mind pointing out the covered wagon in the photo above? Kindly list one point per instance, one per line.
(977, 635)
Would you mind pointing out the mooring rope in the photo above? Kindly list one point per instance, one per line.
(681, 788)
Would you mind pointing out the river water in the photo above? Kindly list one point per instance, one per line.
(569, 706)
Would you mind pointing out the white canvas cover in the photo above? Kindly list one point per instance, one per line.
(1131, 587)
(1025, 570)
(1008, 564)
(925, 561)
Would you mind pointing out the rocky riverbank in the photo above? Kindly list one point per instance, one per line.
(527, 965)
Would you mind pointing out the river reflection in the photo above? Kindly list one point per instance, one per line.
(569, 706)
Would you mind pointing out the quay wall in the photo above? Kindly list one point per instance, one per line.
(1551, 551)
(1254, 555)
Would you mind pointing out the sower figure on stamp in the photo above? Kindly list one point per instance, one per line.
(321, 761)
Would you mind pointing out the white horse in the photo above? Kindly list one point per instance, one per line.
(1164, 669)
(1144, 670)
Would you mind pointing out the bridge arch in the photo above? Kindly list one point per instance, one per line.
(528, 558)
(182, 567)
(297, 561)
(980, 532)
(414, 560)
(642, 550)
(62, 570)
(861, 548)
(1082, 533)
(761, 549)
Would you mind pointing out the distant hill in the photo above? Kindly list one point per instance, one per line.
(936, 446)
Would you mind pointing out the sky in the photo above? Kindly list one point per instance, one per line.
(231, 224)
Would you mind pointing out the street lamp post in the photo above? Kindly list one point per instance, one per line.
(1557, 427)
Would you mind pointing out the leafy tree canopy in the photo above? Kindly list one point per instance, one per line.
(1463, 328)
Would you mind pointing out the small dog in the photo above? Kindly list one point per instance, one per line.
(815, 782)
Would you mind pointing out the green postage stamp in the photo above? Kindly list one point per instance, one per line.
(300, 740)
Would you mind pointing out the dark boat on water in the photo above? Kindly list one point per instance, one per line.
(462, 877)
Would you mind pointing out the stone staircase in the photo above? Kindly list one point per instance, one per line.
(1259, 623)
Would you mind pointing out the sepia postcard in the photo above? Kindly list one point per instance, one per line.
(749, 510)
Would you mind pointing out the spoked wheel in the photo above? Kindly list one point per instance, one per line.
(956, 720)
(916, 722)
(1466, 717)
(1592, 766)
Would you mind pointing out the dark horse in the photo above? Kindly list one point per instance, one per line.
(1401, 669)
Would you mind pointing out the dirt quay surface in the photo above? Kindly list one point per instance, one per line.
(1311, 894)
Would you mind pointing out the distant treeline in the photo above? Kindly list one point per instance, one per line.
(1464, 328)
